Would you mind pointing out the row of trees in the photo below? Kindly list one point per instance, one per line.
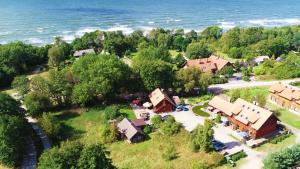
(13, 131)
(76, 155)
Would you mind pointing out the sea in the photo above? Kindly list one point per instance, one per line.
(39, 21)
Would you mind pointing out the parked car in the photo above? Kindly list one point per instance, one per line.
(182, 108)
(145, 115)
(163, 118)
(218, 146)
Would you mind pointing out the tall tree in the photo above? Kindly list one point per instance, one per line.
(198, 50)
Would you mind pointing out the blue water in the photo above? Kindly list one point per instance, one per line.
(38, 21)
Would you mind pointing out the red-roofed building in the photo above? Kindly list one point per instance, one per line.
(211, 64)
(285, 96)
(161, 102)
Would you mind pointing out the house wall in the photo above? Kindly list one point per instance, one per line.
(285, 103)
(269, 127)
(164, 106)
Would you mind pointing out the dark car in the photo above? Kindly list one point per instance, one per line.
(218, 146)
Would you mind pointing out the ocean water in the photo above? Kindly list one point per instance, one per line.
(39, 21)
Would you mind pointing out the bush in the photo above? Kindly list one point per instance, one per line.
(169, 153)
(112, 113)
(170, 126)
(36, 104)
(238, 156)
(286, 158)
(156, 121)
(110, 133)
(201, 165)
(279, 138)
(51, 125)
(218, 118)
(148, 129)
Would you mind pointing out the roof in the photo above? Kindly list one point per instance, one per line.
(138, 122)
(158, 96)
(83, 52)
(286, 91)
(277, 88)
(176, 100)
(221, 104)
(127, 128)
(243, 111)
(208, 64)
(260, 59)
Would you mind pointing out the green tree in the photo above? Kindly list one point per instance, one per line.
(13, 131)
(202, 136)
(51, 125)
(99, 77)
(212, 33)
(190, 78)
(154, 73)
(227, 71)
(21, 84)
(170, 126)
(156, 121)
(198, 50)
(261, 99)
(36, 103)
(94, 157)
(169, 153)
(8, 105)
(58, 53)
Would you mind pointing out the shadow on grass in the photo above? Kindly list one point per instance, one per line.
(68, 132)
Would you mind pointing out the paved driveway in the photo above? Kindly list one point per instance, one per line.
(188, 119)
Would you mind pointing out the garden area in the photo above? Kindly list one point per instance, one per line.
(198, 110)
(87, 126)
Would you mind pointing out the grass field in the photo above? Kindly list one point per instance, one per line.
(249, 93)
(285, 115)
(199, 99)
(86, 125)
(276, 147)
(147, 154)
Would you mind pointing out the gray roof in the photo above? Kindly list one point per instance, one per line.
(83, 52)
(127, 128)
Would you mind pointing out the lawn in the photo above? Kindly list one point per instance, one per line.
(199, 99)
(285, 115)
(86, 125)
(276, 147)
(249, 93)
(147, 154)
(197, 110)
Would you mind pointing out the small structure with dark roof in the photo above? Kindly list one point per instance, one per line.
(161, 102)
(139, 123)
(129, 131)
(80, 53)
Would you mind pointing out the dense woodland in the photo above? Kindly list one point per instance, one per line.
(103, 77)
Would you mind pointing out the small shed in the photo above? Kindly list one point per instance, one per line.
(129, 131)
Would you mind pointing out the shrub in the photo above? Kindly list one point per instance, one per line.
(279, 138)
(238, 156)
(36, 104)
(169, 153)
(156, 121)
(148, 129)
(51, 125)
(170, 126)
(112, 113)
(200, 165)
(110, 133)
(218, 118)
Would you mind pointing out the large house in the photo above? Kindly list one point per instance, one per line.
(161, 102)
(128, 130)
(211, 64)
(246, 117)
(285, 96)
